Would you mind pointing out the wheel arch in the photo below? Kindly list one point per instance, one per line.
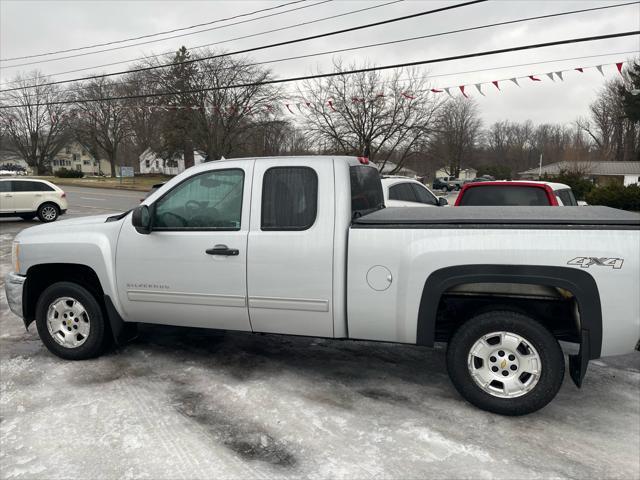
(581, 284)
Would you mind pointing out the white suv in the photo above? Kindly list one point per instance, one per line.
(26, 198)
(407, 192)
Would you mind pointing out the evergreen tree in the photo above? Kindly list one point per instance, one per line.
(631, 96)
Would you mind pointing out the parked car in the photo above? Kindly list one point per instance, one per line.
(407, 192)
(516, 192)
(304, 246)
(483, 178)
(447, 184)
(28, 198)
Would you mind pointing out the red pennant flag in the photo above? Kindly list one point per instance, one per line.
(406, 95)
(495, 82)
(535, 79)
(330, 103)
(287, 105)
(461, 87)
(580, 69)
(619, 67)
(435, 90)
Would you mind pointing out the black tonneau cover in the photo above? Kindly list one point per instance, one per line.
(500, 217)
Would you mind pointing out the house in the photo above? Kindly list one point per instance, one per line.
(75, 156)
(151, 162)
(602, 173)
(465, 173)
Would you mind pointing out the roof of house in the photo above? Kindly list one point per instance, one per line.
(592, 168)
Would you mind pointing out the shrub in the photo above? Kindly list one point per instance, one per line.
(616, 196)
(68, 173)
(499, 172)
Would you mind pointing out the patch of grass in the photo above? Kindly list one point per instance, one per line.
(141, 183)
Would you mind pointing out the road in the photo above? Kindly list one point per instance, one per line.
(187, 403)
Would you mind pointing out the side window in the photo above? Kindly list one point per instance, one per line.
(402, 191)
(289, 198)
(5, 187)
(26, 186)
(566, 198)
(423, 195)
(208, 201)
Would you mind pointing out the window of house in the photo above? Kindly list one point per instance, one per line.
(209, 201)
(86, 162)
(75, 157)
(289, 198)
(147, 163)
(67, 150)
(157, 163)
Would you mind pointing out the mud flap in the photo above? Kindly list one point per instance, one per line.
(578, 363)
(123, 332)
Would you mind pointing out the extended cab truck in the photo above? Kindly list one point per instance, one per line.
(303, 246)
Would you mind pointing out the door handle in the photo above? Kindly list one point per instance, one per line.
(223, 250)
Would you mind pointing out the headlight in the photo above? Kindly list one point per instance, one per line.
(15, 256)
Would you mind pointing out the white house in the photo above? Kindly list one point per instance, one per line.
(75, 156)
(151, 162)
(465, 173)
(625, 173)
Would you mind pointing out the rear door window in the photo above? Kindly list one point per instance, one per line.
(289, 198)
(496, 195)
(402, 191)
(5, 187)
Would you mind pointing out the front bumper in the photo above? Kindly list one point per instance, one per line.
(13, 287)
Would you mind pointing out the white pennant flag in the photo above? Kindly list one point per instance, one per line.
(599, 67)
(559, 74)
(515, 80)
(478, 85)
(550, 75)
(448, 92)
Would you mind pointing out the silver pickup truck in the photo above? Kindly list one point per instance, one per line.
(304, 246)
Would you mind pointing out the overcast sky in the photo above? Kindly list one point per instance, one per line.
(33, 27)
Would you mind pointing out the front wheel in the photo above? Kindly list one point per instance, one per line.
(48, 212)
(505, 362)
(70, 321)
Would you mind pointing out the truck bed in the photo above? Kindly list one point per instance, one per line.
(588, 217)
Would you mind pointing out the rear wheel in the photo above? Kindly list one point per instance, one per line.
(70, 321)
(505, 362)
(48, 212)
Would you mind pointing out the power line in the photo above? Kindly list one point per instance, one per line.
(348, 72)
(167, 38)
(331, 17)
(263, 47)
(390, 42)
(152, 34)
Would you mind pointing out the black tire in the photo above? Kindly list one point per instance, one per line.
(44, 212)
(445, 189)
(95, 340)
(548, 349)
(30, 216)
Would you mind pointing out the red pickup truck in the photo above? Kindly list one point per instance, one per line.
(515, 192)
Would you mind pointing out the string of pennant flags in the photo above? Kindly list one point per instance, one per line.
(302, 106)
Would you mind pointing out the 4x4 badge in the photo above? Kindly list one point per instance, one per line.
(586, 262)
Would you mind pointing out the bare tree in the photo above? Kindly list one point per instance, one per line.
(457, 134)
(615, 136)
(36, 128)
(101, 125)
(368, 114)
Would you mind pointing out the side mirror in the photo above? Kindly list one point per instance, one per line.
(442, 202)
(141, 219)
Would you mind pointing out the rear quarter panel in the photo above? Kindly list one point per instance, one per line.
(411, 255)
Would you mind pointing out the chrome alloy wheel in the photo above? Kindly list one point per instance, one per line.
(504, 364)
(68, 322)
(49, 212)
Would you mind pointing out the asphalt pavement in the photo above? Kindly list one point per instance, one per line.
(188, 403)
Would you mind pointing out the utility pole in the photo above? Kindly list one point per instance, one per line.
(540, 167)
